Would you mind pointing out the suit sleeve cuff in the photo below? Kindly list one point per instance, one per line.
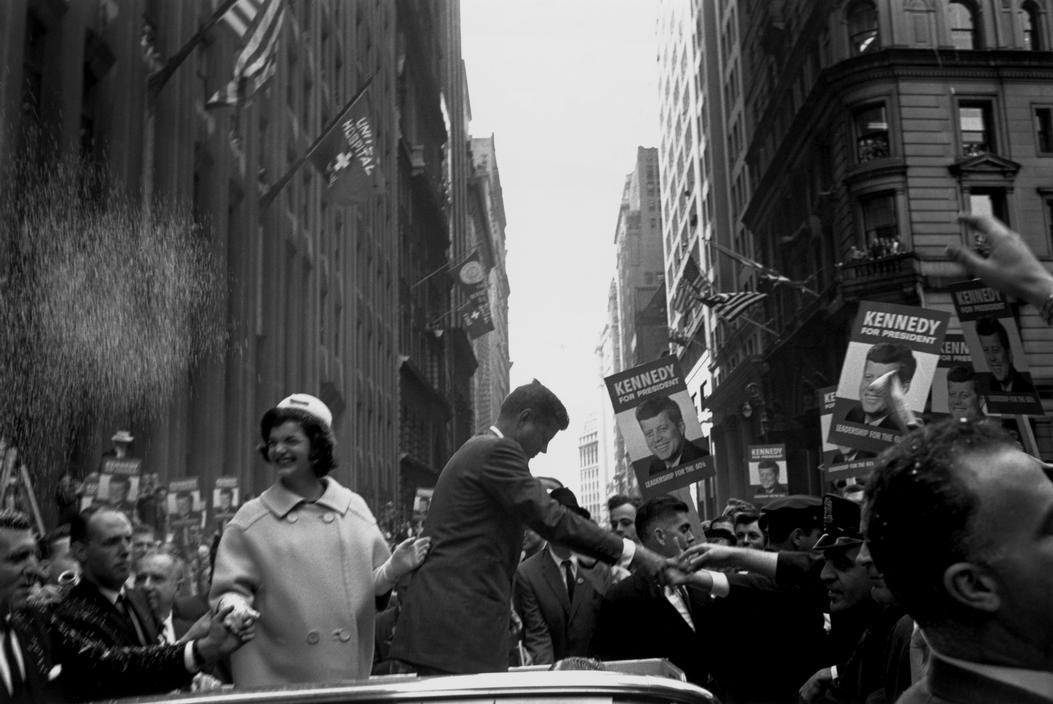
(721, 587)
(628, 552)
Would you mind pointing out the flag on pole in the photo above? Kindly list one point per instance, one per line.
(346, 153)
(258, 24)
(729, 306)
(159, 78)
(690, 286)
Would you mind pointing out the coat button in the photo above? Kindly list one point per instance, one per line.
(341, 635)
(327, 517)
(292, 518)
(313, 637)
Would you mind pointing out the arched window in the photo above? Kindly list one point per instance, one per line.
(963, 22)
(1029, 22)
(862, 20)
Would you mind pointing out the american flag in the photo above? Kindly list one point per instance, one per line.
(258, 24)
(689, 287)
(731, 305)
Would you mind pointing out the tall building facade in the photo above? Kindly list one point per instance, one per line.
(591, 496)
(635, 330)
(487, 224)
(319, 298)
(867, 123)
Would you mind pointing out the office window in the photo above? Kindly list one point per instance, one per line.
(1029, 22)
(963, 20)
(988, 201)
(1044, 129)
(862, 20)
(871, 133)
(879, 217)
(976, 127)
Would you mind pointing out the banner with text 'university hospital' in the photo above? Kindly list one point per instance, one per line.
(1003, 376)
(660, 427)
(885, 338)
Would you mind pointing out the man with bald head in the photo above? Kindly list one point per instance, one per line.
(980, 585)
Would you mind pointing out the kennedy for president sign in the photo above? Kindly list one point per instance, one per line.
(885, 338)
(660, 427)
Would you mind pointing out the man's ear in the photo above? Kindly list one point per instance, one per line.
(972, 586)
(78, 550)
(659, 535)
(795, 538)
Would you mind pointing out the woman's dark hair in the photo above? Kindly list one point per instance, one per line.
(319, 435)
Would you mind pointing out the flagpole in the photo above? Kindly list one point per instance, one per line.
(445, 267)
(284, 180)
(765, 270)
(762, 326)
(159, 78)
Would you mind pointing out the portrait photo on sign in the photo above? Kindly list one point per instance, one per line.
(183, 504)
(118, 490)
(662, 433)
(225, 498)
(767, 471)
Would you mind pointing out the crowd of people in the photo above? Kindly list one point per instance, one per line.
(932, 584)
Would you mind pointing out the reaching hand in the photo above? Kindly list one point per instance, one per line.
(1011, 267)
(239, 617)
(711, 556)
(816, 685)
(409, 555)
(222, 640)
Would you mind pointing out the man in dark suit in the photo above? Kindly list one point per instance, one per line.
(642, 619)
(455, 617)
(117, 625)
(662, 423)
(49, 661)
(980, 586)
(159, 575)
(557, 598)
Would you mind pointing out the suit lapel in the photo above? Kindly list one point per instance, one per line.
(137, 603)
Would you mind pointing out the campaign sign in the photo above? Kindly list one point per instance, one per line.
(118, 485)
(1003, 376)
(767, 468)
(660, 427)
(835, 464)
(185, 507)
(885, 338)
(955, 389)
(225, 499)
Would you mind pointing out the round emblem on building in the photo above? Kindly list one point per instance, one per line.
(472, 273)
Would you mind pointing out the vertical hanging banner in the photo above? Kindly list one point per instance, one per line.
(767, 468)
(475, 312)
(660, 427)
(955, 387)
(346, 154)
(1002, 372)
(885, 338)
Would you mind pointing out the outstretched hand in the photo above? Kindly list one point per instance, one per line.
(1010, 267)
(891, 390)
(409, 554)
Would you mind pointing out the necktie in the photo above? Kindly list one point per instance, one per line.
(13, 665)
(129, 613)
(568, 575)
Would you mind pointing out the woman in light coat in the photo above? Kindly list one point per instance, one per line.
(305, 561)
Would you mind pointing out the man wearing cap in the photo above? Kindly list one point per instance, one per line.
(483, 499)
(556, 598)
(982, 587)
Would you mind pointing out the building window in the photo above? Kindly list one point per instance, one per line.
(989, 201)
(976, 127)
(879, 218)
(1044, 129)
(962, 20)
(871, 133)
(1029, 22)
(862, 20)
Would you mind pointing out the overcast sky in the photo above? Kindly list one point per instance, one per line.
(569, 90)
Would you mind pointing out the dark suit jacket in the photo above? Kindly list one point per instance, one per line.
(35, 642)
(689, 453)
(455, 617)
(100, 653)
(637, 621)
(554, 627)
(945, 683)
(857, 415)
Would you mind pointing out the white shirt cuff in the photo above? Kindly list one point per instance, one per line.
(721, 587)
(833, 673)
(188, 658)
(628, 552)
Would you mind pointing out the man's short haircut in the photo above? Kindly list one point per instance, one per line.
(178, 564)
(657, 509)
(892, 353)
(538, 398)
(47, 542)
(656, 405)
(988, 325)
(736, 506)
(745, 518)
(622, 499)
(961, 373)
(768, 464)
(921, 512)
(226, 491)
